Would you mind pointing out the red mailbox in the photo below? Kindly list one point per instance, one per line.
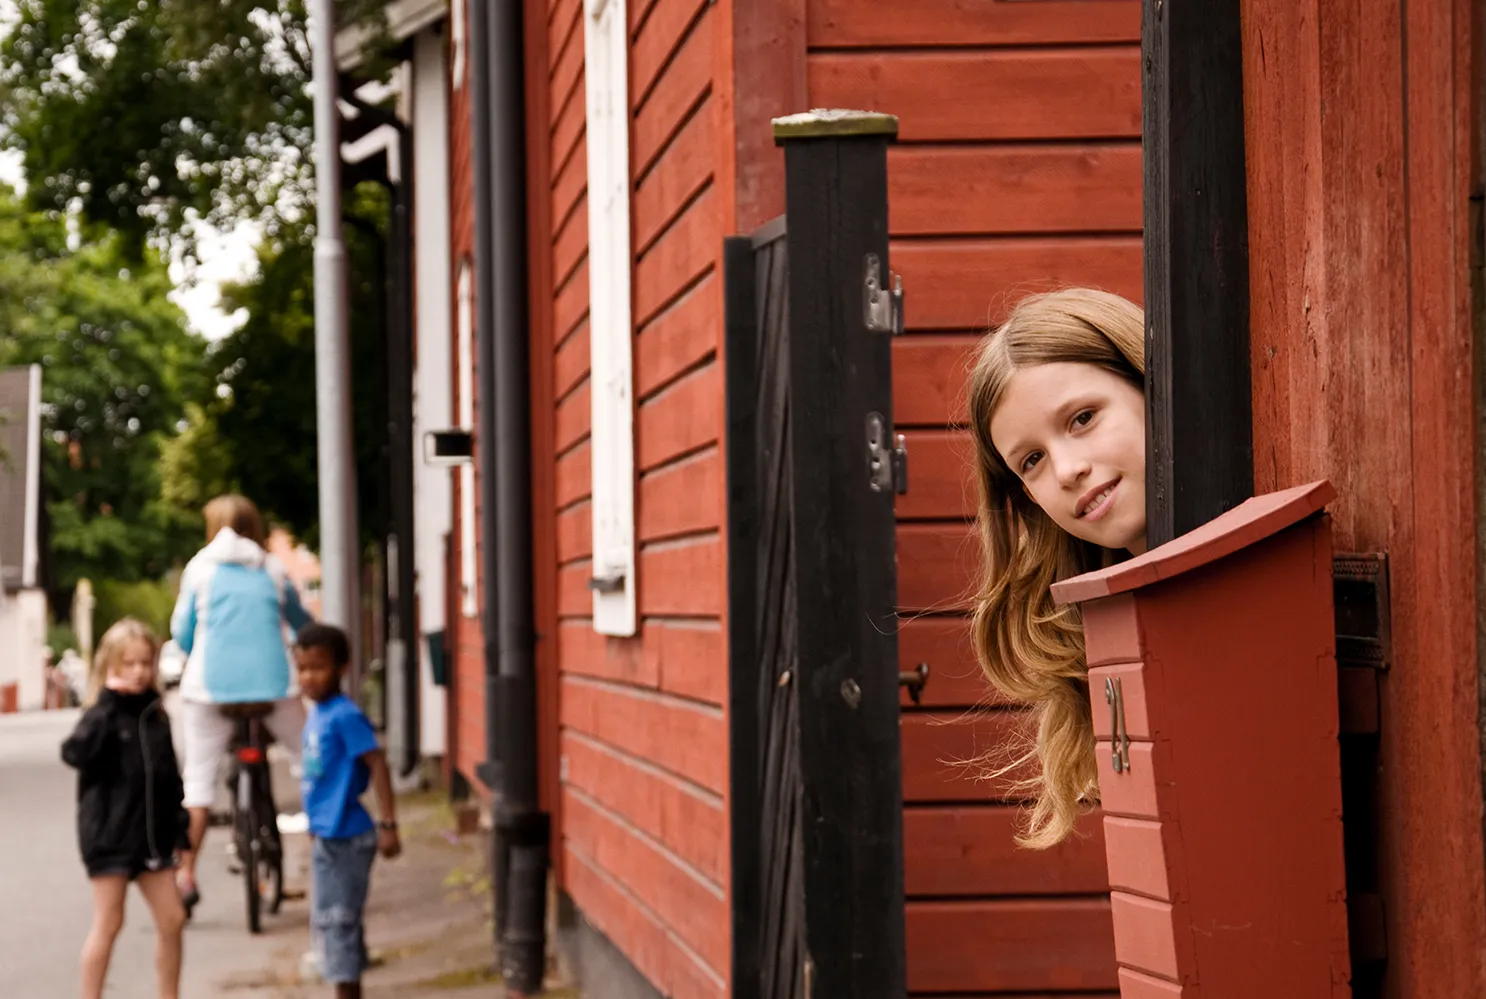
(1212, 674)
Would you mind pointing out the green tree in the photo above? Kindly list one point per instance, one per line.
(144, 114)
(254, 431)
(118, 364)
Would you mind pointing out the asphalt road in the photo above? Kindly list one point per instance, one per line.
(46, 904)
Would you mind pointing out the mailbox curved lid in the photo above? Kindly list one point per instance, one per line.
(1249, 522)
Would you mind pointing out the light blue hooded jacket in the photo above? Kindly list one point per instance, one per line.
(235, 619)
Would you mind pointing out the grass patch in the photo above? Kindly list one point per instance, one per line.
(465, 978)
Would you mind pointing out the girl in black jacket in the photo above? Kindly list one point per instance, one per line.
(130, 822)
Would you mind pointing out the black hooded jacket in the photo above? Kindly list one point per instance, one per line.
(129, 814)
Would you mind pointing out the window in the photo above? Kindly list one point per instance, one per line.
(464, 319)
(612, 442)
(457, 42)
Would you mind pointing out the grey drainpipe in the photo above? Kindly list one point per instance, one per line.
(521, 843)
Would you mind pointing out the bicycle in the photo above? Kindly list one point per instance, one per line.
(255, 817)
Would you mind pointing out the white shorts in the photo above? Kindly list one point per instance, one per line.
(206, 733)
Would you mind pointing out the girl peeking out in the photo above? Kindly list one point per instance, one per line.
(130, 822)
(1057, 412)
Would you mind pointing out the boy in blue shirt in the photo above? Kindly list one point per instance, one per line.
(341, 758)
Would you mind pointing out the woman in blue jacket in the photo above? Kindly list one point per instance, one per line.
(235, 619)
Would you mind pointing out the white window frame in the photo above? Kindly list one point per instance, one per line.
(464, 305)
(612, 441)
(457, 42)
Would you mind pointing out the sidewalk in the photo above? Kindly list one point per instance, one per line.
(428, 922)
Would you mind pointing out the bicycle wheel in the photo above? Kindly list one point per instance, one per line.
(247, 847)
(270, 848)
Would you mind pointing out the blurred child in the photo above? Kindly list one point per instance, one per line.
(130, 822)
(341, 758)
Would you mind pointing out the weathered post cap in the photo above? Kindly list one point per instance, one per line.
(826, 123)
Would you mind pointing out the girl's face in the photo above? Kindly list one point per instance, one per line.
(135, 670)
(1075, 436)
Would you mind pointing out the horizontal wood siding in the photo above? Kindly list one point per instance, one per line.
(643, 744)
(1017, 169)
(467, 714)
(1361, 124)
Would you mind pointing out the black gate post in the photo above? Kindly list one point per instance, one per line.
(842, 317)
(1199, 415)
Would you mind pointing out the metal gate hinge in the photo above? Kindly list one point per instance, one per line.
(887, 467)
(882, 308)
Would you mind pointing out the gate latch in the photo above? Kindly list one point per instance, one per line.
(915, 679)
(887, 467)
(882, 308)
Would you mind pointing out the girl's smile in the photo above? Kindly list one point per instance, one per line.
(1075, 436)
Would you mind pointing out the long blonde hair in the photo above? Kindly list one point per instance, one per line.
(111, 649)
(1032, 651)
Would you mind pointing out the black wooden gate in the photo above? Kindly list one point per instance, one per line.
(816, 803)
(767, 890)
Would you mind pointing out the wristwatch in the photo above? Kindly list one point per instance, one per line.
(390, 825)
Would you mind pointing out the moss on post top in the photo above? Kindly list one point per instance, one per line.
(831, 123)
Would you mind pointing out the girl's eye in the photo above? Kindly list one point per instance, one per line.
(1030, 461)
(1082, 417)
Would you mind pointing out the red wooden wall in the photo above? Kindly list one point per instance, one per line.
(467, 701)
(1017, 168)
(643, 739)
(1362, 124)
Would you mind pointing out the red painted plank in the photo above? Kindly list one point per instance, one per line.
(971, 284)
(688, 739)
(680, 419)
(666, 29)
(929, 374)
(687, 251)
(575, 533)
(938, 565)
(570, 244)
(1003, 946)
(690, 656)
(682, 578)
(679, 338)
(570, 305)
(569, 181)
(574, 599)
(958, 22)
(584, 652)
(940, 750)
(574, 476)
(566, 55)
(955, 678)
(560, 17)
(972, 851)
(678, 176)
(694, 910)
(1014, 189)
(570, 366)
(680, 89)
(574, 418)
(682, 498)
(672, 812)
(569, 124)
(941, 476)
(988, 95)
(637, 932)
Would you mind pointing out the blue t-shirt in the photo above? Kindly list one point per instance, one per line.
(336, 736)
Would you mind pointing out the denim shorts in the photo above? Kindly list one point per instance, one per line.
(342, 871)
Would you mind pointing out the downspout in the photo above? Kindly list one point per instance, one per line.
(521, 842)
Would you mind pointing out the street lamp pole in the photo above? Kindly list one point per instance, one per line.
(339, 564)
